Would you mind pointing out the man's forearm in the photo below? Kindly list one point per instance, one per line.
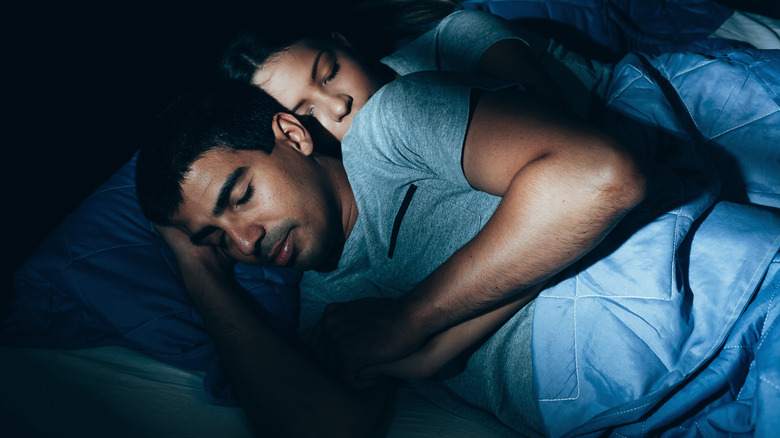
(279, 389)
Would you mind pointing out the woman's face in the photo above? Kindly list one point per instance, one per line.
(320, 79)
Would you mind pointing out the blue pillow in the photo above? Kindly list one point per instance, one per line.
(105, 277)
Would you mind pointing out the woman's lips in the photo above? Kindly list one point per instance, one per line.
(285, 253)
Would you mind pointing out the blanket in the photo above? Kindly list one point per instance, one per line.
(610, 29)
(669, 331)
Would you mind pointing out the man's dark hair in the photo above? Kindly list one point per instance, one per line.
(230, 115)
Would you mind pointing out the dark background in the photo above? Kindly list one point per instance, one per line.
(82, 83)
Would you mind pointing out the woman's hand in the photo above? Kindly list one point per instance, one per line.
(444, 348)
(365, 339)
(356, 334)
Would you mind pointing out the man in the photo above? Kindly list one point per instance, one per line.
(454, 205)
(293, 207)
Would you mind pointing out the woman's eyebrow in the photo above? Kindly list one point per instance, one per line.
(316, 64)
(227, 188)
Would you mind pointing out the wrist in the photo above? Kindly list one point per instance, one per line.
(420, 317)
(204, 273)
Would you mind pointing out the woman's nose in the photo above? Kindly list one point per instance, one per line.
(339, 106)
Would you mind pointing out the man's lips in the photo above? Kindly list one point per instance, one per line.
(285, 252)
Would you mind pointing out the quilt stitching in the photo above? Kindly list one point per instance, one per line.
(736, 311)
(576, 364)
(734, 128)
(768, 382)
(768, 310)
(749, 370)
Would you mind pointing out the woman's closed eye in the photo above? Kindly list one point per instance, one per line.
(333, 72)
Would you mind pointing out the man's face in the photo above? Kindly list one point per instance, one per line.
(267, 209)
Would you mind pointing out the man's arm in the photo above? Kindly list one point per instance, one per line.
(281, 391)
(564, 185)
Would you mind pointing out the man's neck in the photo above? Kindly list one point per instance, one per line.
(336, 178)
(342, 191)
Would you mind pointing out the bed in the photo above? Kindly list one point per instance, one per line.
(101, 339)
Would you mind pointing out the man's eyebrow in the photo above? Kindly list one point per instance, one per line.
(227, 188)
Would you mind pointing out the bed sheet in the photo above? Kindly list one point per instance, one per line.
(108, 391)
(118, 392)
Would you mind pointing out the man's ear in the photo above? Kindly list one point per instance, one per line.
(290, 130)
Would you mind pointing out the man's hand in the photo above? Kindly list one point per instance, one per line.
(351, 336)
(193, 260)
(281, 391)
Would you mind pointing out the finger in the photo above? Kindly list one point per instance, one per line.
(330, 335)
(343, 348)
(315, 341)
(317, 336)
(396, 370)
(362, 382)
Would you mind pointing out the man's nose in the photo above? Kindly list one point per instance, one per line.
(339, 106)
(247, 238)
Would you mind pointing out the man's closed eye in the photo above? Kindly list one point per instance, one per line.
(247, 196)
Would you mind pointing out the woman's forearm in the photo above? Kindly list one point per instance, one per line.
(513, 61)
(444, 347)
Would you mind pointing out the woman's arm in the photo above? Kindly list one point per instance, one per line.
(282, 392)
(513, 61)
(446, 346)
(510, 56)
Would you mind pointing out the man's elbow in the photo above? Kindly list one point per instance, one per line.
(623, 184)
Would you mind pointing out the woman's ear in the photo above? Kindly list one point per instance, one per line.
(290, 130)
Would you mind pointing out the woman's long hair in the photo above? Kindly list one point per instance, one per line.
(373, 27)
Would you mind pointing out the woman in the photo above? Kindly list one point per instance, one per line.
(327, 80)
(466, 41)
